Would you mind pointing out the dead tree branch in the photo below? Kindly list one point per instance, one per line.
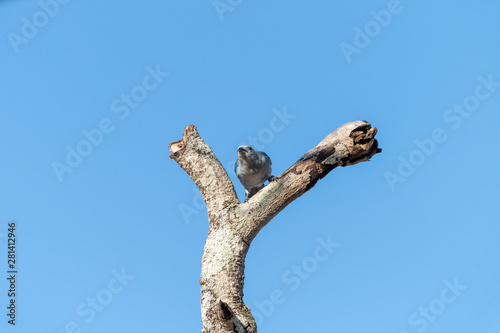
(233, 225)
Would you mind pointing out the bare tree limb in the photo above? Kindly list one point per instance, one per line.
(201, 164)
(233, 225)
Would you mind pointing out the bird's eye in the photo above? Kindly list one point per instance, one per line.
(250, 148)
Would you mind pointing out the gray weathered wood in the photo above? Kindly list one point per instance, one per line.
(233, 225)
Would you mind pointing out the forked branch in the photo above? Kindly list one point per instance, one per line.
(233, 225)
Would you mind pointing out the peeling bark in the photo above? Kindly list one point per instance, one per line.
(233, 225)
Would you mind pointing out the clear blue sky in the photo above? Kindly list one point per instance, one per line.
(92, 93)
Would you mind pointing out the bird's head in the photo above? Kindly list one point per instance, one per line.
(246, 152)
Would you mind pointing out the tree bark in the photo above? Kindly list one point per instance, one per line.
(233, 225)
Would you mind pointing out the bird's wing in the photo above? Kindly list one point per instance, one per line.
(267, 157)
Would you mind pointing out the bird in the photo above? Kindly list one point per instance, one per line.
(252, 168)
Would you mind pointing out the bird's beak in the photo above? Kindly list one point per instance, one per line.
(241, 150)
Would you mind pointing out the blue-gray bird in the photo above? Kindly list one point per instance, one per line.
(252, 168)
